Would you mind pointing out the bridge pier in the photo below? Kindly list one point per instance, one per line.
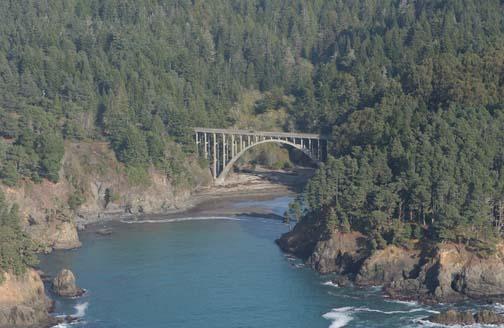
(222, 148)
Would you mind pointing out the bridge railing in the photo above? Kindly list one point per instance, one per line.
(262, 133)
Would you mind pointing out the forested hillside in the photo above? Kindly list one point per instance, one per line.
(411, 92)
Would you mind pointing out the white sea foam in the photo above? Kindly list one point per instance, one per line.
(197, 218)
(408, 303)
(427, 323)
(365, 309)
(498, 307)
(330, 283)
(340, 317)
(80, 309)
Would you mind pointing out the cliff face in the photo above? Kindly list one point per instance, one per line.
(93, 185)
(430, 273)
(23, 302)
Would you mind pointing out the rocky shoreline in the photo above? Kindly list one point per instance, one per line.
(25, 306)
(427, 273)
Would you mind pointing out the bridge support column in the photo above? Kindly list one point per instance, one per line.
(233, 150)
(224, 147)
(318, 149)
(224, 152)
(197, 143)
(214, 153)
(206, 146)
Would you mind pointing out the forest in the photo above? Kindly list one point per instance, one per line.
(411, 94)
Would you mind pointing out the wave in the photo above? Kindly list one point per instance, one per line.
(408, 303)
(365, 309)
(197, 218)
(80, 309)
(427, 323)
(330, 283)
(498, 307)
(340, 317)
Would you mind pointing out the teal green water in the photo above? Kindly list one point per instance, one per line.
(212, 273)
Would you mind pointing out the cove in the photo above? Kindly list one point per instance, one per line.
(212, 271)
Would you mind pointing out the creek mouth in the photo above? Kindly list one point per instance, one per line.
(224, 272)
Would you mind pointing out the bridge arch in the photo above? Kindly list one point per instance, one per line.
(223, 147)
(222, 176)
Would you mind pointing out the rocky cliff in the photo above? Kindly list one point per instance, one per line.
(93, 185)
(425, 272)
(23, 302)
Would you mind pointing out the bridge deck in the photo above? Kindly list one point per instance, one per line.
(262, 133)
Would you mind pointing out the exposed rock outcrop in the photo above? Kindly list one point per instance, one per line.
(388, 265)
(64, 284)
(300, 241)
(428, 273)
(93, 186)
(452, 317)
(23, 302)
(341, 253)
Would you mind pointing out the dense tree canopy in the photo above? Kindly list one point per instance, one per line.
(16, 249)
(411, 93)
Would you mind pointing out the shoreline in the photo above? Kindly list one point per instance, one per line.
(216, 200)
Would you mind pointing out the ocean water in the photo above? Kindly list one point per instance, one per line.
(213, 272)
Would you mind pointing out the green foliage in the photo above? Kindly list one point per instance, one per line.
(50, 149)
(76, 199)
(294, 211)
(132, 149)
(332, 220)
(410, 92)
(137, 176)
(110, 196)
(17, 251)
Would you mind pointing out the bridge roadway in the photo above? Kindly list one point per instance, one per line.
(223, 147)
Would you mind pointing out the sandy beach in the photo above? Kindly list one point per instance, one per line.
(259, 184)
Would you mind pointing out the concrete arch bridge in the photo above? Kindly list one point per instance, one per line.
(223, 147)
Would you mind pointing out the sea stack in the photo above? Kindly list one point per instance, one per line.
(64, 284)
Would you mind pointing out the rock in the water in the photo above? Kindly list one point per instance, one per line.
(454, 317)
(104, 232)
(64, 284)
(342, 281)
(487, 317)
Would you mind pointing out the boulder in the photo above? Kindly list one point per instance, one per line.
(64, 284)
(104, 232)
(342, 281)
(454, 317)
(487, 317)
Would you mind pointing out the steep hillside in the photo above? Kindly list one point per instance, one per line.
(94, 185)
